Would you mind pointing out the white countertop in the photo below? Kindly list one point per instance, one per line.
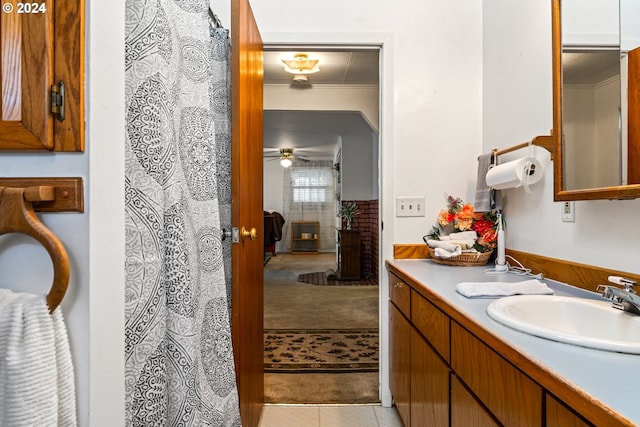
(611, 378)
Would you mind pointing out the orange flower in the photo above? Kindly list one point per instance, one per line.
(444, 218)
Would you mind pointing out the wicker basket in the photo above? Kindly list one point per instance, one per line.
(466, 259)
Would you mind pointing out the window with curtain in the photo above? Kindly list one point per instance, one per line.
(309, 195)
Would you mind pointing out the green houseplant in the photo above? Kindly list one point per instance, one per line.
(349, 211)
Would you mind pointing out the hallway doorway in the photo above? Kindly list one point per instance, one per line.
(339, 124)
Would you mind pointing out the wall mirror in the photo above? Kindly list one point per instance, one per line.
(596, 102)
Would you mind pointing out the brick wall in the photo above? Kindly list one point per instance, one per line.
(367, 224)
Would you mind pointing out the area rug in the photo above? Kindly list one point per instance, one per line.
(321, 351)
(320, 278)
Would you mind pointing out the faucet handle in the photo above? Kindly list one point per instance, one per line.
(628, 284)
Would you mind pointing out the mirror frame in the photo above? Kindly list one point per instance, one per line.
(620, 192)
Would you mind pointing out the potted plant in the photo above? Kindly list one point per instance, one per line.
(348, 212)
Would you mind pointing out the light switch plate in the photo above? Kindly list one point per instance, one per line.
(568, 211)
(409, 206)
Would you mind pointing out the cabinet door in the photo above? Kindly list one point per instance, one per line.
(558, 415)
(41, 44)
(400, 360)
(513, 398)
(429, 385)
(349, 255)
(465, 410)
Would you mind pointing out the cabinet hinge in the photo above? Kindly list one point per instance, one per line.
(57, 101)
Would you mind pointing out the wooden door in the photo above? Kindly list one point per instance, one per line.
(247, 213)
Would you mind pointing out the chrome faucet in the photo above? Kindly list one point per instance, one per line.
(625, 298)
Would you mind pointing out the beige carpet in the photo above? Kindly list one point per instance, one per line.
(290, 304)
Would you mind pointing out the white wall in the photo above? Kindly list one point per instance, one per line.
(517, 106)
(357, 168)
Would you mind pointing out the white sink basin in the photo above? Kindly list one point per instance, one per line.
(577, 321)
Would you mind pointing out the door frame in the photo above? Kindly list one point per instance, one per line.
(384, 42)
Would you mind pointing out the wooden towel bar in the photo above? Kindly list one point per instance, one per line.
(17, 215)
(544, 141)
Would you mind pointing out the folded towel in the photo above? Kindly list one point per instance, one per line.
(443, 253)
(502, 289)
(464, 244)
(36, 372)
(486, 199)
(445, 249)
(461, 235)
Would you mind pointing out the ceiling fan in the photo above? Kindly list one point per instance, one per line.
(286, 157)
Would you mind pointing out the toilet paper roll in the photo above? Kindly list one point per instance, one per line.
(513, 174)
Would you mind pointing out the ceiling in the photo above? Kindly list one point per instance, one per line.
(314, 134)
(590, 67)
(354, 67)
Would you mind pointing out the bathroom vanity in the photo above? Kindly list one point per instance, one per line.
(452, 365)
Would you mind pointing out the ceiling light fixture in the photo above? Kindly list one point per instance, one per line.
(285, 163)
(301, 64)
(286, 157)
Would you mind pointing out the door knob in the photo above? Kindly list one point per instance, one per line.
(251, 234)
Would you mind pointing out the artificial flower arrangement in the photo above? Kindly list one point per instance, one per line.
(460, 217)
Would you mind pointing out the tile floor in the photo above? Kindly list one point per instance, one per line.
(329, 416)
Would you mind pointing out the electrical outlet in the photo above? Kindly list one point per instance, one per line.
(568, 211)
(410, 206)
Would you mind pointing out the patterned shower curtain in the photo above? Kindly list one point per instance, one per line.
(179, 358)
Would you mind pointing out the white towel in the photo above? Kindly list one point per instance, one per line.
(461, 235)
(444, 249)
(502, 289)
(36, 373)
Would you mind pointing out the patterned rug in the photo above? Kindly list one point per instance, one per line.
(344, 350)
(320, 278)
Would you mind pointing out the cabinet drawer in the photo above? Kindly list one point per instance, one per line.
(432, 323)
(400, 294)
(511, 396)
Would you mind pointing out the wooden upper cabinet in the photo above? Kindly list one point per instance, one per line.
(42, 47)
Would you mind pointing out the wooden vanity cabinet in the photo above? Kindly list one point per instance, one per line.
(444, 375)
(419, 374)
